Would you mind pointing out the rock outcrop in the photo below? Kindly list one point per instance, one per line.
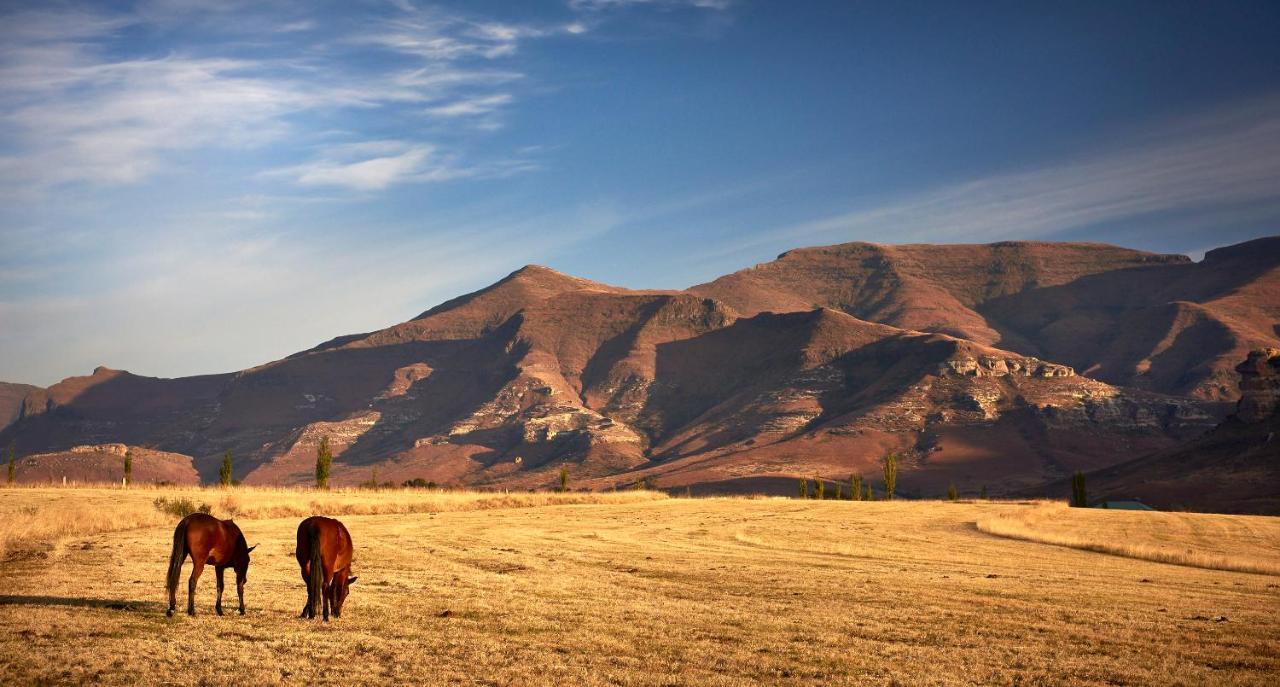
(1259, 385)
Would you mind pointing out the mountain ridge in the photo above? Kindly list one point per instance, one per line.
(851, 351)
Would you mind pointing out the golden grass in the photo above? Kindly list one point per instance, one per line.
(42, 516)
(657, 592)
(1217, 542)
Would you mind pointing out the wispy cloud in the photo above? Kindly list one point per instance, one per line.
(74, 109)
(598, 5)
(1226, 158)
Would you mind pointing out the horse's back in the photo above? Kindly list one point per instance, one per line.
(331, 535)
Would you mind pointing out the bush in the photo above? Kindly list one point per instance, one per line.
(418, 483)
(181, 507)
(952, 495)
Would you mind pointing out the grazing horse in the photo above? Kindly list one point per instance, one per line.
(324, 555)
(207, 540)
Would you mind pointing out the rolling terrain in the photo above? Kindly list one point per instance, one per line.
(999, 366)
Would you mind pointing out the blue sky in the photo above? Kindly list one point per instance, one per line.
(194, 186)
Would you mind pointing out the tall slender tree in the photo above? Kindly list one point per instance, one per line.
(12, 465)
(564, 480)
(820, 487)
(855, 487)
(804, 488)
(128, 466)
(224, 473)
(890, 475)
(324, 462)
(952, 494)
(1079, 496)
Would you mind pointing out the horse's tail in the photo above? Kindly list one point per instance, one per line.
(315, 582)
(178, 555)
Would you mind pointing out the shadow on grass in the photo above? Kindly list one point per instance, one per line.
(110, 604)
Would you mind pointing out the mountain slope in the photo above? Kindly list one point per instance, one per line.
(1233, 469)
(11, 397)
(1158, 322)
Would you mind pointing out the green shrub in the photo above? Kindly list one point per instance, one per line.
(952, 495)
(181, 507)
(418, 483)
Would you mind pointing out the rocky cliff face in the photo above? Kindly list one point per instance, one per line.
(1259, 385)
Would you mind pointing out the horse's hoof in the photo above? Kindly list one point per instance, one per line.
(169, 613)
(218, 611)
(242, 611)
(191, 612)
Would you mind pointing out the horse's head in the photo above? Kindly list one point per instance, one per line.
(241, 563)
(342, 587)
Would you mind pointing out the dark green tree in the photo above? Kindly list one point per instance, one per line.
(855, 487)
(1079, 496)
(952, 495)
(983, 494)
(324, 463)
(224, 473)
(564, 480)
(890, 475)
(128, 466)
(12, 465)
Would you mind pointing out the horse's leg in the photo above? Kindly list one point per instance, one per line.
(217, 608)
(328, 586)
(197, 567)
(173, 593)
(306, 610)
(240, 592)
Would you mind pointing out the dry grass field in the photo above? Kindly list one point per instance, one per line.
(632, 589)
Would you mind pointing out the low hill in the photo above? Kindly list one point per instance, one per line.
(104, 463)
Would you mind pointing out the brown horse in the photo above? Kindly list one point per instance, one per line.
(207, 540)
(324, 554)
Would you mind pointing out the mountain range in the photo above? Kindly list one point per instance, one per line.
(1002, 367)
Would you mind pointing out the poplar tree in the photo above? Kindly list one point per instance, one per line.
(951, 492)
(890, 475)
(564, 480)
(128, 466)
(855, 487)
(324, 461)
(224, 474)
(12, 465)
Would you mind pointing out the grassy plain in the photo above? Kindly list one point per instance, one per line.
(630, 589)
